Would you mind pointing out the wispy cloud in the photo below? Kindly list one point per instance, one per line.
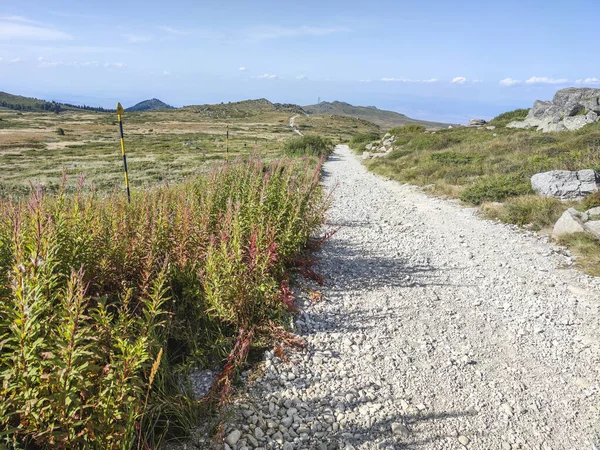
(301, 77)
(267, 76)
(510, 82)
(45, 63)
(404, 80)
(15, 60)
(166, 73)
(18, 19)
(16, 30)
(459, 80)
(137, 38)
(276, 32)
(546, 80)
(242, 69)
(592, 80)
(172, 30)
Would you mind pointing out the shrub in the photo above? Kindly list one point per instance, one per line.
(310, 144)
(538, 211)
(509, 116)
(60, 131)
(591, 201)
(438, 141)
(495, 189)
(451, 158)
(407, 129)
(363, 138)
(102, 302)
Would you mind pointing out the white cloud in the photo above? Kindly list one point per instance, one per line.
(18, 19)
(267, 76)
(510, 82)
(408, 80)
(301, 77)
(15, 60)
(115, 65)
(166, 73)
(477, 81)
(546, 80)
(172, 30)
(366, 81)
(592, 80)
(459, 80)
(137, 38)
(275, 32)
(242, 69)
(12, 31)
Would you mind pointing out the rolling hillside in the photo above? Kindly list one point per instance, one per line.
(246, 108)
(381, 117)
(21, 103)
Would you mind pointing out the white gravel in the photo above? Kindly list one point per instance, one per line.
(438, 330)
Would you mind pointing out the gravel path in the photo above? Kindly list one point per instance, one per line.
(438, 330)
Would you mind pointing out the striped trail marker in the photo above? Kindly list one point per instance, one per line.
(227, 144)
(120, 112)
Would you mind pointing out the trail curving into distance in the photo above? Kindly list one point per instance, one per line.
(293, 125)
(437, 330)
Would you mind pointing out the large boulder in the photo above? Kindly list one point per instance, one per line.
(570, 109)
(592, 228)
(564, 184)
(569, 223)
(476, 123)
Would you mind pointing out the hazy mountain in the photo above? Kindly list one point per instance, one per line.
(381, 117)
(150, 105)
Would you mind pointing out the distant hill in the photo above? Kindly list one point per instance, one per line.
(246, 108)
(150, 105)
(381, 117)
(20, 103)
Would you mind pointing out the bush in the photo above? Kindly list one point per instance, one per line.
(509, 116)
(407, 129)
(363, 138)
(538, 211)
(495, 189)
(310, 144)
(591, 201)
(102, 302)
(60, 131)
(438, 141)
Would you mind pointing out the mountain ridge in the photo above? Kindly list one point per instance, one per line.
(381, 117)
(152, 104)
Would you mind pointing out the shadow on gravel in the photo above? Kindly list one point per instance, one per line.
(365, 270)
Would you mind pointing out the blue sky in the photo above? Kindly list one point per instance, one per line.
(430, 59)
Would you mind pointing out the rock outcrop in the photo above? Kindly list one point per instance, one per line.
(476, 123)
(573, 221)
(566, 185)
(571, 109)
(381, 148)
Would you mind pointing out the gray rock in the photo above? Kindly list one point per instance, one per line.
(366, 155)
(233, 437)
(399, 429)
(476, 123)
(593, 212)
(464, 440)
(568, 223)
(593, 228)
(571, 109)
(565, 184)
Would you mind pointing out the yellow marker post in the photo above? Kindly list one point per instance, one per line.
(120, 112)
(227, 144)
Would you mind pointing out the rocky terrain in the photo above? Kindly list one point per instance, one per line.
(437, 330)
(571, 109)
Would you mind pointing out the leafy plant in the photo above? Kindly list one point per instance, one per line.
(310, 144)
(495, 189)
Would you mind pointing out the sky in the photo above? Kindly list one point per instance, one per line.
(430, 59)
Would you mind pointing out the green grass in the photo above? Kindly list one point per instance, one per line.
(509, 116)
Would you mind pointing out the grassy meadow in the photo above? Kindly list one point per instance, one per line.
(492, 169)
(162, 146)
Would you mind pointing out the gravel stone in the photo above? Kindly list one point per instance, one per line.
(434, 320)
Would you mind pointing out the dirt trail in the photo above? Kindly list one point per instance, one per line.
(293, 125)
(438, 330)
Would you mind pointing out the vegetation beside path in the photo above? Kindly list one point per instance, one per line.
(104, 305)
